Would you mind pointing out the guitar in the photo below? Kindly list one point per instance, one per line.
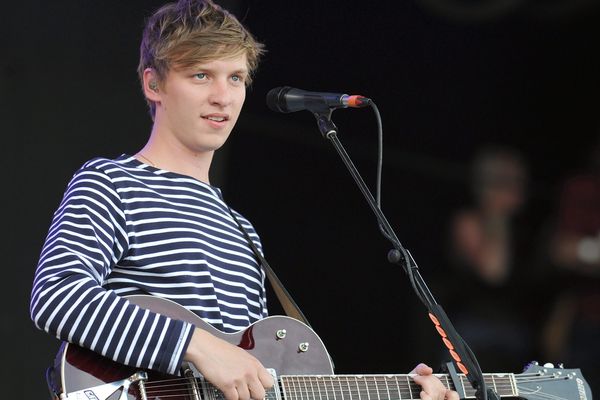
(298, 361)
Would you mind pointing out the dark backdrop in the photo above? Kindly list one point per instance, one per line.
(446, 82)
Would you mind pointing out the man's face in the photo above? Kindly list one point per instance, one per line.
(199, 107)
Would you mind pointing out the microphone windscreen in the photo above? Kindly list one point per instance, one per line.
(276, 99)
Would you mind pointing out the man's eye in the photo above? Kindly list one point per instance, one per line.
(200, 75)
(237, 78)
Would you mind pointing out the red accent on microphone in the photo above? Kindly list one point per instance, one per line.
(357, 101)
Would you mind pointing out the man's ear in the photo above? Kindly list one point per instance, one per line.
(151, 85)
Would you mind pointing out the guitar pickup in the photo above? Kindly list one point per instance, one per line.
(198, 384)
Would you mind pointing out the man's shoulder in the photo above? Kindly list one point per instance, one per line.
(105, 171)
(108, 168)
(105, 164)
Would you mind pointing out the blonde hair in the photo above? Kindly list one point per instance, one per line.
(190, 32)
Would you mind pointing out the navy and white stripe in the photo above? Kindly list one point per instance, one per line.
(126, 228)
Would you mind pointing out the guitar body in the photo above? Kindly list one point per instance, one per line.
(299, 361)
(281, 343)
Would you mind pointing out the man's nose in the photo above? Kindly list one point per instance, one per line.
(220, 93)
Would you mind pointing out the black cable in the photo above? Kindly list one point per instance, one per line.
(384, 232)
(379, 151)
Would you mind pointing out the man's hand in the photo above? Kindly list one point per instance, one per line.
(432, 387)
(234, 371)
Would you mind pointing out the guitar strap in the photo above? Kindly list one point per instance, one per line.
(285, 298)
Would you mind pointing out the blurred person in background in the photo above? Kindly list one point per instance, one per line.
(486, 253)
(572, 330)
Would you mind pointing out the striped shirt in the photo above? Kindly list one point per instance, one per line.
(123, 228)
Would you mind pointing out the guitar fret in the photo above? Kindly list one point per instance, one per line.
(357, 387)
(332, 388)
(513, 385)
(462, 382)
(312, 388)
(376, 388)
(398, 388)
(348, 384)
(298, 387)
(387, 389)
(410, 393)
(310, 394)
(307, 390)
(319, 388)
(339, 381)
(494, 384)
(303, 387)
(367, 388)
(288, 389)
(295, 389)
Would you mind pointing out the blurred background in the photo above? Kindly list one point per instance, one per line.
(491, 167)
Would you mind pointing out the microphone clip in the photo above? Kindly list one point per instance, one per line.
(325, 124)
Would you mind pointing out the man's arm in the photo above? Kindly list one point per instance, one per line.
(87, 237)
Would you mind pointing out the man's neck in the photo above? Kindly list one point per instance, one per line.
(173, 157)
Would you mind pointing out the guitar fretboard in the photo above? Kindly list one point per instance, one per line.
(379, 387)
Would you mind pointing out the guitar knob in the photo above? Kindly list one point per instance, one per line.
(303, 347)
(548, 365)
(281, 334)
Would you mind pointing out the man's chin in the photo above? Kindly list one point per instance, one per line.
(209, 147)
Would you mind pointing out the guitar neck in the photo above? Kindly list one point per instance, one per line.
(380, 387)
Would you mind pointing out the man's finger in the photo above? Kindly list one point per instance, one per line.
(426, 384)
(257, 391)
(243, 391)
(230, 393)
(266, 379)
(422, 369)
(424, 396)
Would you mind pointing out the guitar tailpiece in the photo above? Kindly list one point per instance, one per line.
(103, 392)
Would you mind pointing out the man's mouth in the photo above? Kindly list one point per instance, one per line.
(217, 118)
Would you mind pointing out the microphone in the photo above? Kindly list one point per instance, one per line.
(286, 99)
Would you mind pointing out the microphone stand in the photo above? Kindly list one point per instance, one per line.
(463, 357)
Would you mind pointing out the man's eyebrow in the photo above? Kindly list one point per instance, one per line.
(206, 68)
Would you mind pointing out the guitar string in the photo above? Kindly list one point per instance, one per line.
(518, 377)
(305, 393)
(303, 382)
(307, 386)
(540, 395)
(311, 393)
(334, 378)
(302, 387)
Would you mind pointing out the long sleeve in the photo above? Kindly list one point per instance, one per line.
(87, 238)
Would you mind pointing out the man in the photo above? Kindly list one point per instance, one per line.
(153, 224)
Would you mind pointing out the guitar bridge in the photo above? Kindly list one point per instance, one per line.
(103, 392)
